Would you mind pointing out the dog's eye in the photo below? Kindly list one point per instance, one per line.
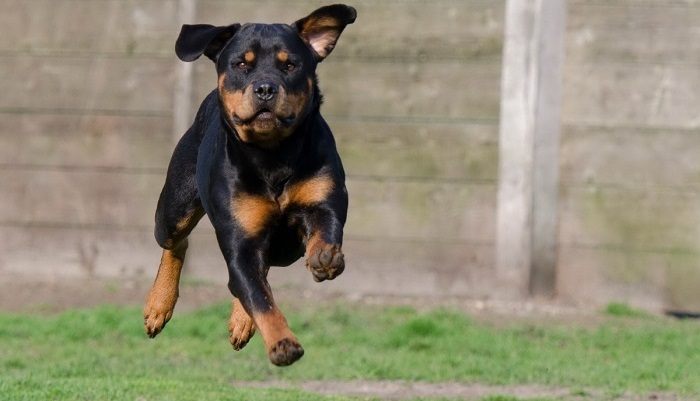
(242, 65)
(289, 67)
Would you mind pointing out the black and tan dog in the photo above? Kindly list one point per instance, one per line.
(261, 162)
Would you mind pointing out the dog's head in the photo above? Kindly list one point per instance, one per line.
(267, 72)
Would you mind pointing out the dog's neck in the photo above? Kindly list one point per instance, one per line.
(274, 165)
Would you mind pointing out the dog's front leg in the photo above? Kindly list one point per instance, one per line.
(248, 283)
(322, 230)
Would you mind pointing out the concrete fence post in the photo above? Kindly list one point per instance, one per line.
(182, 98)
(527, 209)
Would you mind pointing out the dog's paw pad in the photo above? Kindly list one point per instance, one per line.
(326, 264)
(285, 352)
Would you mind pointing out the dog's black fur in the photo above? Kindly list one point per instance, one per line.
(261, 162)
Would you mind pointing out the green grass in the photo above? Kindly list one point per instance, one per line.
(102, 353)
(620, 309)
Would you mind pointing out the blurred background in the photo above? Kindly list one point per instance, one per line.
(93, 101)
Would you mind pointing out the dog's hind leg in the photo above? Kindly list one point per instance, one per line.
(162, 297)
(179, 210)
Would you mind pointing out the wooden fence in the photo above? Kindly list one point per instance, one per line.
(93, 96)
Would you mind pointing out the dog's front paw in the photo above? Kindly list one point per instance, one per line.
(285, 352)
(326, 264)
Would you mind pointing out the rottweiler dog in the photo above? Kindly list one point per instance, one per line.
(261, 162)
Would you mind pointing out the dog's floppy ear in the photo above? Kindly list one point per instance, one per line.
(195, 40)
(322, 27)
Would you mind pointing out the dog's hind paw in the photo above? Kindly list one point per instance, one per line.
(326, 264)
(240, 326)
(285, 352)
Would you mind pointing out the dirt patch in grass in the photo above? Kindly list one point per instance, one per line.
(402, 390)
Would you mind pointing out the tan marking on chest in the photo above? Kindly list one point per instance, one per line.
(308, 192)
(253, 212)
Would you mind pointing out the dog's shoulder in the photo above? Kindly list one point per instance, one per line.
(208, 111)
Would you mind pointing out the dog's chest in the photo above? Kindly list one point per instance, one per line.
(254, 212)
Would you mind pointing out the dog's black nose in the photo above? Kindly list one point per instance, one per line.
(265, 90)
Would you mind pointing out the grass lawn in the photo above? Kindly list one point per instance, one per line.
(103, 354)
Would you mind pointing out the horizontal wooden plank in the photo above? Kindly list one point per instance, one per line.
(466, 30)
(418, 210)
(649, 280)
(445, 89)
(641, 3)
(442, 151)
(402, 268)
(370, 149)
(62, 253)
(636, 94)
(448, 89)
(640, 11)
(150, 27)
(422, 210)
(638, 220)
(126, 27)
(629, 156)
(372, 267)
(104, 141)
(662, 32)
(143, 86)
(78, 198)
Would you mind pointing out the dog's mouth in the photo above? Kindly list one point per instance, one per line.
(264, 118)
(265, 115)
(265, 127)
